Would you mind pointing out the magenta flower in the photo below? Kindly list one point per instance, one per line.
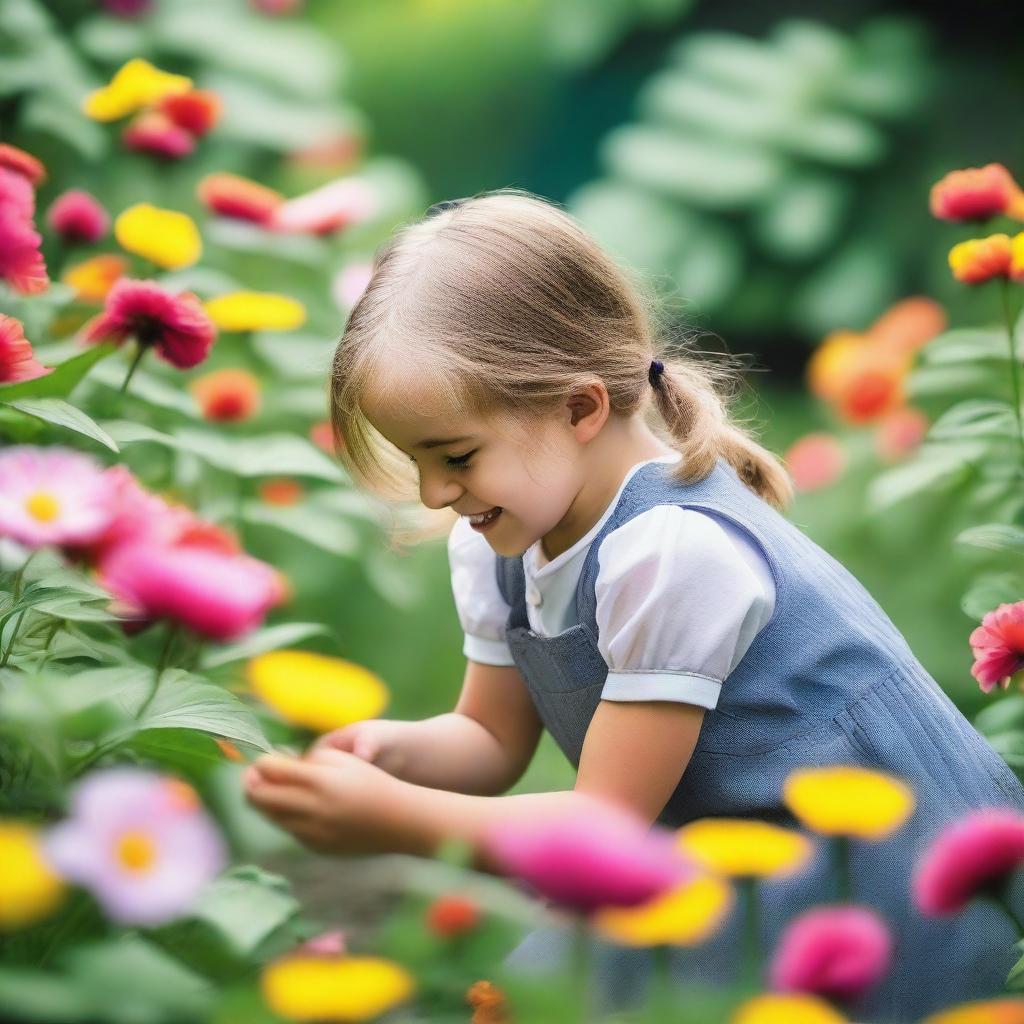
(52, 496)
(836, 952)
(998, 645)
(21, 262)
(215, 592)
(175, 325)
(597, 856)
(329, 208)
(155, 133)
(78, 217)
(141, 843)
(974, 856)
(17, 361)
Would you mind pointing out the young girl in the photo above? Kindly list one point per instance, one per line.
(631, 586)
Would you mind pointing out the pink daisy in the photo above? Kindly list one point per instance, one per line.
(998, 646)
(17, 362)
(175, 325)
(975, 855)
(78, 217)
(21, 262)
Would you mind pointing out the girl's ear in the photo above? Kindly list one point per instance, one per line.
(588, 410)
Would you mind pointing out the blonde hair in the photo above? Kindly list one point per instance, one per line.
(501, 306)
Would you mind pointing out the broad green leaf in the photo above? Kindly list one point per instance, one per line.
(802, 217)
(63, 414)
(296, 356)
(72, 608)
(840, 140)
(146, 387)
(930, 468)
(1006, 714)
(990, 591)
(971, 344)
(317, 526)
(241, 237)
(974, 418)
(129, 432)
(62, 381)
(1010, 747)
(27, 994)
(260, 455)
(994, 536)
(270, 638)
(747, 64)
(185, 751)
(958, 380)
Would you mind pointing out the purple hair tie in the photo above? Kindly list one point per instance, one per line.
(655, 372)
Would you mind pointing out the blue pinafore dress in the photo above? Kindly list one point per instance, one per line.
(828, 680)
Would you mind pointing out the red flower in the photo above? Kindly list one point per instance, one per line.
(175, 325)
(452, 915)
(231, 195)
(971, 857)
(77, 217)
(21, 262)
(22, 163)
(154, 132)
(836, 952)
(998, 645)
(976, 193)
(227, 395)
(16, 360)
(281, 491)
(322, 435)
(197, 110)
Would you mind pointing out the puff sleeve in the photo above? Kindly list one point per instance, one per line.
(483, 612)
(680, 598)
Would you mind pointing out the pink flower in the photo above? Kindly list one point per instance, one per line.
(17, 362)
(141, 843)
(52, 496)
(21, 262)
(998, 645)
(976, 193)
(218, 593)
(176, 325)
(836, 952)
(900, 433)
(335, 205)
(815, 461)
(152, 131)
(330, 943)
(23, 164)
(596, 856)
(349, 283)
(974, 855)
(128, 8)
(77, 217)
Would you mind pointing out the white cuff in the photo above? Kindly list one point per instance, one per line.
(487, 652)
(687, 687)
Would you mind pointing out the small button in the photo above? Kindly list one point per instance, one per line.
(534, 596)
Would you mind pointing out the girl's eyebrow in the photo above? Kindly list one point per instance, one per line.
(435, 442)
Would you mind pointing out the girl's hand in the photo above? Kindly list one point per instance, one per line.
(330, 800)
(377, 740)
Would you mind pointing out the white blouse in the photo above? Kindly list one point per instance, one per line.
(681, 594)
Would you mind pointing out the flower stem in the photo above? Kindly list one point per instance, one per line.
(1014, 364)
(14, 636)
(1003, 902)
(165, 656)
(581, 967)
(139, 353)
(660, 1005)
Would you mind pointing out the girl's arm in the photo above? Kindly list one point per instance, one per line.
(482, 747)
(634, 755)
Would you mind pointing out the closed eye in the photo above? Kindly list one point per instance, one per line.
(457, 461)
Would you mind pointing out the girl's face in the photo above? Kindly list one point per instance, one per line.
(473, 468)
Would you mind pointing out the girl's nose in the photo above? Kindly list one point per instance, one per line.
(437, 492)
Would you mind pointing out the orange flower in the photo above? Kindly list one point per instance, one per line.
(231, 195)
(980, 259)
(452, 915)
(874, 390)
(281, 490)
(833, 361)
(976, 193)
(909, 325)
(322, 435)
(197, 110)
(489, 1003)
(1007, 1010)
(227, 395)
(94, 277)
(228, 749)
(23, 163)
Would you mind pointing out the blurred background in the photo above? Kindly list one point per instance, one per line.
(767, 165)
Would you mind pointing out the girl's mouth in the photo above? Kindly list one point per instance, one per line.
(485, 519)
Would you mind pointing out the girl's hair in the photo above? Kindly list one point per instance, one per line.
(498, 307)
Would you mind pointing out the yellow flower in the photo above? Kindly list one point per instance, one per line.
(848, 800)
(786, 1009)
(683, 916)
(318, 988)
(29, 889)
(256, 311)
(736, 846)
(316, 691)
(1009, 1010)
(138, 84)
(94, 277)
(167, 238)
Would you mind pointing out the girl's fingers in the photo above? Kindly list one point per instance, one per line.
(283, 800)
(284, 770)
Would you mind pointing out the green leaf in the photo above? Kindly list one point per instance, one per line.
(317, 526)
(261, 455)
(991, 591)
(63, 414)
(974, 418)
(1010, 747)
(270, 638)
(802, 217)
(931, 467)
(31, 995)
(925, 381)
(1015, 979)
(185, 751)
(995, 537)
(971, 344)
(1004, 715)
(296, 356)
(62, 381)
(146, 387)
